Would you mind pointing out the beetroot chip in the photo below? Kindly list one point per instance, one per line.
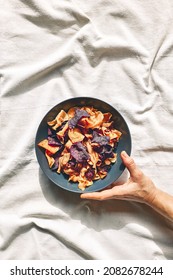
(100, 139)
(79, 113)
(89, 174)
(53, 141)
(56, 164)
(79, 152)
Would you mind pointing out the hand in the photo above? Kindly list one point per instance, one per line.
(138, 187)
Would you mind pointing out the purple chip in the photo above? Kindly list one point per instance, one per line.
(89, 174)
(49, 132)
(79, 113)
(52, 141)
(56, 164)
(104, 168)
(79, 152)
(100, 139)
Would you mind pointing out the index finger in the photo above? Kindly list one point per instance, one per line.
(103, 195)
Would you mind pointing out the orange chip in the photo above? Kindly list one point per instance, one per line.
(94, 121)
(71, 112)
(74, 178)
(81, 179)
(60, 118)
(115, 133)
(68, 171)
(50, 160)
(68, 144)
(112, 133)
(88, 136)
(107, 117)
(93, 155)
(75, 135)
(89, 110)
(107, 161)
(44, 144)
(102, 174)
(97, 176)
(107, 124)
(63, 160)
(61, 133)
(83, 184)
(114, 158)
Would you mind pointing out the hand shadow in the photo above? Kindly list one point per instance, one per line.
(71, 201)
(110, 214)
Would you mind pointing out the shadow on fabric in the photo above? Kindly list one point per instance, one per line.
(115, 214)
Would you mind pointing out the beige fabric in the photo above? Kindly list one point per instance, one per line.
(120, 52)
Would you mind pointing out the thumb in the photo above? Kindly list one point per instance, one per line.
(130, 164)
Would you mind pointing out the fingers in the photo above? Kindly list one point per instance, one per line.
(121, 191)
(113, 193)
(135, 172)
(103, 195)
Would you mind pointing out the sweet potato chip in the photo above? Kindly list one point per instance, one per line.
(93, 155)
(75, 135)
(95, 120)
(60, 118)
(44, 144)
(49, 159)
(107, 124)
(112, 133)
(84, 183)
(106, 117)
(71, 112)
(61, 133)
(81, 179)
(114, 158)
(79, 114)
(68, 144)
(63, 161)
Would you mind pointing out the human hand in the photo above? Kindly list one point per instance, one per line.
(138, 187)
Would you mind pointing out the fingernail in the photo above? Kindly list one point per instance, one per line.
(124, 154)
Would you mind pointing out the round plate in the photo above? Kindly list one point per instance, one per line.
(117, 168)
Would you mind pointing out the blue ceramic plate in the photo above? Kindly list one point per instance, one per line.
(117, 168)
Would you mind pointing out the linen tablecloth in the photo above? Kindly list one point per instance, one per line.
(120, 52)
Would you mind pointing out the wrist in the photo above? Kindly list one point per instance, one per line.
(151, 193)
